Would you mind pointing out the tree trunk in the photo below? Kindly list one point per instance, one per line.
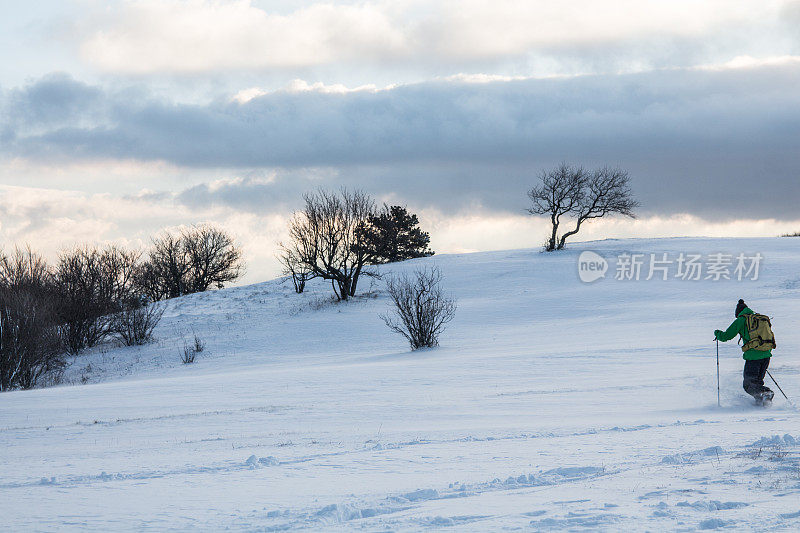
(354, 282)
(563, 240)
(552, 244)
(344, 289)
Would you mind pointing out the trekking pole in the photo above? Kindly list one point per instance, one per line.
(780, 389)
(718, 402)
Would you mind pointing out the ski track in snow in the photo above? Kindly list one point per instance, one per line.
(551, 405)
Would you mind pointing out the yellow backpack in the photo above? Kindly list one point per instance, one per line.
(760, 329)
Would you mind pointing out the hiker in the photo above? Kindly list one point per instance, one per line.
(757, 350)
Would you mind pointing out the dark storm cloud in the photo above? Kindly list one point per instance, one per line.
(252, 193)
(55, 99)
(717, 143)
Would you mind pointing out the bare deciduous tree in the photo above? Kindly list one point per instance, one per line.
(326, 238)
(30, 344)
(606, 192)
(168, 264)
(559, 194)
(27, 269)
(93, 285)
(149, 283)
(119, 267)
(189, 261)
(568, 191)
(421, 309)
(294, 267)
(213, 256)
(78, 277)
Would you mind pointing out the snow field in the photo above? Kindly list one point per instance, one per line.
(551, 404)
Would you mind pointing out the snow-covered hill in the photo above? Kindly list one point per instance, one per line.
(551, 404)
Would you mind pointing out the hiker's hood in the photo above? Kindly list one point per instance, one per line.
(745, 311)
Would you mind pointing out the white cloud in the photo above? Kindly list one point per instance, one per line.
(500, 27)
(52, 220)
(195, 36)
(125, 175)
(200, 35)
(224, 183)
(245, 95)
(463, 77)
(301, 86)
(749, 62)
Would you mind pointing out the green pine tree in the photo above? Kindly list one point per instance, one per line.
(393, 235)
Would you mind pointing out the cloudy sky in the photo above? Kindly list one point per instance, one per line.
(119, 118)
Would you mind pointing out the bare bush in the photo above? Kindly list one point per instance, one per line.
(168, 267)
(421, 309)
(199, 344)
(190, 351)
(149, 282)
(327, 238)
(119, 267)
(25, 269)
(30, 344)
(573, 192)
(188, 355)
(295, 268)
(134, 325)
(78, 277)
(213, 256)
(93, 286)
(190, 261)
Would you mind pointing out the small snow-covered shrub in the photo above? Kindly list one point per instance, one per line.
(190, 351)
(188, 354)
(134, 325)
(199, 345)
(421, 309)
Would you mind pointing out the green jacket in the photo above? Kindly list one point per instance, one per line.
(739, 326)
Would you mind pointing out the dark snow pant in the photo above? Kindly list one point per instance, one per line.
(754, 372)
